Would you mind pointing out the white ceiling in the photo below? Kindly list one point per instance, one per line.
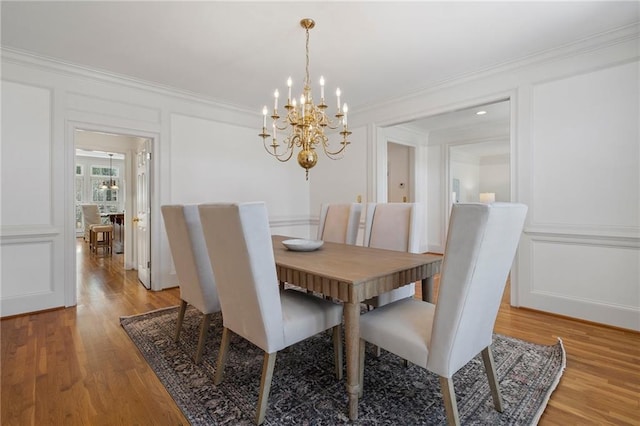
(239, 52)
(468, 117)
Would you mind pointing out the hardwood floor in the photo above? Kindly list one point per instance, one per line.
(77, 365)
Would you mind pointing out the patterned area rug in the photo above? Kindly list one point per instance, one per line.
(305, 391)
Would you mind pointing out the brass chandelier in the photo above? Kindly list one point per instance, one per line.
(112, 183)
(305, 124)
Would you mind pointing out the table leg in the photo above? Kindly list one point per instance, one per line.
(427, 289)
(352, 340)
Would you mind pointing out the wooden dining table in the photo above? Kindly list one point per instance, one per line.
(354, 274)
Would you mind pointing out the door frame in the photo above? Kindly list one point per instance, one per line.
(71, 296)
(378, 158)
(146, 150)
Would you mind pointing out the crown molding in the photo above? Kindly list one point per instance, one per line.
(25, 58)
(588, 44)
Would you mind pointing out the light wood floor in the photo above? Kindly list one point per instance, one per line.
(77, 366)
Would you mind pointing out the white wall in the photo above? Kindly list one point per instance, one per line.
(495, 176)
(341, 181)
(574, 134)
(32, 200)
(584, 195)
(466, 169)
(43, 102)
(575, 157)
(480, 174)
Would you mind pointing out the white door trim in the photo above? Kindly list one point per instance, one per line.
(70, 271)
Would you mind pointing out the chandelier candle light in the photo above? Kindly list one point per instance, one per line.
(305, 123)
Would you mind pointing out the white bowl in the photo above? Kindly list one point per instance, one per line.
(303, 245)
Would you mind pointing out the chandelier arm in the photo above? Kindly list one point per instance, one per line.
(335, 153)
(284, 160)
(279, 157)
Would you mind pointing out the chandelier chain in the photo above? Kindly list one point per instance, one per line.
(307, 81)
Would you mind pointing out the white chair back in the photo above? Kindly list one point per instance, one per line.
(91, 214)
(339, 223)
(190, 257)
(481, 245)
(241, 252)
(393, 226)
(90, 217)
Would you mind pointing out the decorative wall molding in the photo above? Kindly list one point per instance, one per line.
(109, 107)
(589, 44)
(28, 231)
(20, 57)
(595, 280)
(283, 222)
(600, 312)
(554, 146)
(39, 285)
(594, 237)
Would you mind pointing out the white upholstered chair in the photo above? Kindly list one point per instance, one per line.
(393, 226)
(339, 223)
(190, 257)
(442, 338)
(90, 217)
(98, 235)
(241, 252)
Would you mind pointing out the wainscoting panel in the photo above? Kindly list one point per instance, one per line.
(595, 281)
(580, 255)
(585, 151)
(27, 276)
(26, 128)
(593, 274)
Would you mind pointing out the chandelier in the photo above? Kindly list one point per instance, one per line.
(304, 124)
(112, 183)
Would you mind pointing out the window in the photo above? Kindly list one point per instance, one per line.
(104, 171)
(99, 195)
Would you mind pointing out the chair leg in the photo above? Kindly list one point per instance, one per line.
(183, 308)
(490, 368)
(361, 367)
(450, 405)
(222, 356)
(337, 351)
(204, 328)
(91, 243)
(265, 385)
(377, 351)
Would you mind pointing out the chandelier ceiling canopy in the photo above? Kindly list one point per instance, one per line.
(304, 124)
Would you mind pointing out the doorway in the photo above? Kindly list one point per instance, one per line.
(118, 159)
(481, 134)
(400, 160)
